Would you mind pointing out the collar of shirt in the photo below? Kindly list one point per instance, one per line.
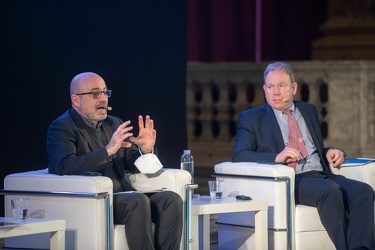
(91, 124)
(279, 113)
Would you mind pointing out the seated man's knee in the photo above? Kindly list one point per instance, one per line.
(332, 192)
(366, 191)
(369, 190)
(131, 200)
(175, 198)
(130, 208)
(166, 199)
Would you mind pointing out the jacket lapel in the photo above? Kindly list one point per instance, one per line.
(82, 127)
(107, 130)
(315, 133)
(275, 130)
(309, 123)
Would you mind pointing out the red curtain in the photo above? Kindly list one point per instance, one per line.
(224, 30)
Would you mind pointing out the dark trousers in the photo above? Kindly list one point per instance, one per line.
(345, 207)
(137, 210)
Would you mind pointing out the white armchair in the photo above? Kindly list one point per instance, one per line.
(85, 202)
(290, 226)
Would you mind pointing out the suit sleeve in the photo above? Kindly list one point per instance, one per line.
(68, 153)
(254, 141)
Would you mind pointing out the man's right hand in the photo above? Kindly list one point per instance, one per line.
(118, 137)
(289, 155)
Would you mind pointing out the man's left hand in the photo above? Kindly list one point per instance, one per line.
(147, 135)
(335, 157)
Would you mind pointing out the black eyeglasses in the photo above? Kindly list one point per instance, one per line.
(97, 94)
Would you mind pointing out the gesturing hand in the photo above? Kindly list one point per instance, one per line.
(147, 135)
(118, 137)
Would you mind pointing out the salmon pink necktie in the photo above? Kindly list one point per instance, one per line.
(295, 139)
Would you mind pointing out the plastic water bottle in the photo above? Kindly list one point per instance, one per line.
(187, 163)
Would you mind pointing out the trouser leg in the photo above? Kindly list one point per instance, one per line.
(133, 210)
(345, 206)
(359, 199)
(167, 216)
(326, 196)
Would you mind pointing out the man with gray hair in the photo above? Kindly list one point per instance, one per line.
(288, 131)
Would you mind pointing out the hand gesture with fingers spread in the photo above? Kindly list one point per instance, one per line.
(147, 135)
(118, 137)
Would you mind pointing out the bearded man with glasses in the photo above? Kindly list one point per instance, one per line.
(86, 140)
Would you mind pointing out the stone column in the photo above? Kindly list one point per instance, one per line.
(349, 31)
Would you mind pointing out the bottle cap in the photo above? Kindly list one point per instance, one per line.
(187, 151)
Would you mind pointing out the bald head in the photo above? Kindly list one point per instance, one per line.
(79, 81)
(89, 96)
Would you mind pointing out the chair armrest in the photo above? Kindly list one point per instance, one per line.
(364, 172)
(257, 180)
(254, 169)
(41, 180)
(168, 178)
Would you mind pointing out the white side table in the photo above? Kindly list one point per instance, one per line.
(204, 206)
(35, 226)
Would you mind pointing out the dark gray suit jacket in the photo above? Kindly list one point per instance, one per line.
(71, 149)
(259, 136)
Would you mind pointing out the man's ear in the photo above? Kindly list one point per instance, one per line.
(294, 86)
(75, 100)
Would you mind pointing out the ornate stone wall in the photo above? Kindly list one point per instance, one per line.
(343, 91)
(349, 33)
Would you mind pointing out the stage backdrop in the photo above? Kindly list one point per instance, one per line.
(138, 47)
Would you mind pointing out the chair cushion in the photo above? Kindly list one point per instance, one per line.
(120, 238)
(307, 219)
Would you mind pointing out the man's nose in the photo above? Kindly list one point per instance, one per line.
(276, 91)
